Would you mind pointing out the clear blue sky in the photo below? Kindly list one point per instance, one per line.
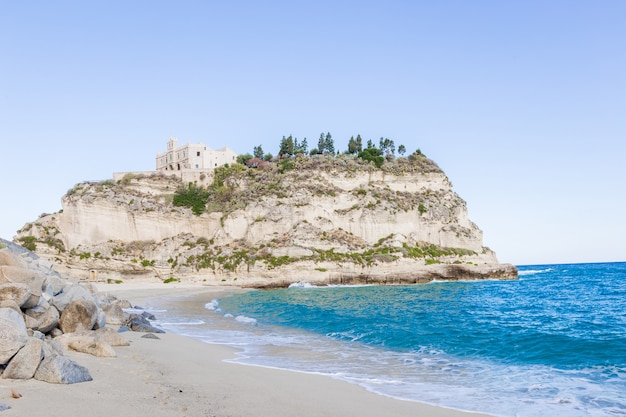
(523, 104)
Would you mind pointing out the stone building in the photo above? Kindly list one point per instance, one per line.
(193, 156)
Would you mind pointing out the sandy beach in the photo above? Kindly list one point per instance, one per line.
(178, 376)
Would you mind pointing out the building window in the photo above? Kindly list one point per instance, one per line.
(198, 153)
(196, 166)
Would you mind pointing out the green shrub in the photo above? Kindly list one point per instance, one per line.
(191, 196)
(171, 279)
(28, 242)
(373, 155)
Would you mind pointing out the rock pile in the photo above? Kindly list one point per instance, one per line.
(42, 315)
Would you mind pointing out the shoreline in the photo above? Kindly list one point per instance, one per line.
(181, 376)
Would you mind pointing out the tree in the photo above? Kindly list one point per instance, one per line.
(244, 158)
(258, 151)
(321, 144)
(329, 144)
(286, 147)
(401, 149)
(359, 143)
(370, 144)
(387, 146)
(300, 147)
(352, 146)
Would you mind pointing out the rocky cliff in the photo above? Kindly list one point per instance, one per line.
(323, 220)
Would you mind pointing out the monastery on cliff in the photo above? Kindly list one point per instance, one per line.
(193, 156)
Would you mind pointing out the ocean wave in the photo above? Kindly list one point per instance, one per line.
(244, 319)
(533, 271)
(302, 284)
(212, 305)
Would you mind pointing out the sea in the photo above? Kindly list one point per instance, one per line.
(551, 343)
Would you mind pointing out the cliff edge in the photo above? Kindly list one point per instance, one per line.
(322, 220)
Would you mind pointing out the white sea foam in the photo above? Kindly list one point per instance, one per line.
(212, 305)
(302, 284)
(244, 319)
(533, 271)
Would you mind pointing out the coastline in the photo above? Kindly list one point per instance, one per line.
(180, 376)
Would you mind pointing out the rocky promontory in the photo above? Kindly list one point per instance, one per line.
(338, 220)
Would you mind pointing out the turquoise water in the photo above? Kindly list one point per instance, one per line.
(551, 343)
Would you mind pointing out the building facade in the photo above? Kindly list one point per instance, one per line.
(193, 156)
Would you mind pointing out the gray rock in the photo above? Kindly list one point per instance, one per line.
(99, 349)
(56, 332)
(114, 314)
(148, 316)
(111, 337)
(42, 317)
(54, 285)
(13, 335)
(4, 407)
(51, 348)
(71, 293)
(123, 303)
(25, 362)
(15, 291)
(57, 369)
(140, 324)
(78, 315)
(11, 304)
(150, 336)
(101, 320)
(17, 275)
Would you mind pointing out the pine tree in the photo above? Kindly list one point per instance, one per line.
(359, 143)
(321, 144)
(329, 144)
(352, 145)
(258, 151)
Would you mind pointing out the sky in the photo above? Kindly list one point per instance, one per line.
(521, 103)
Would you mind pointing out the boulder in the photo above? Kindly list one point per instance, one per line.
(111, 337)
(54, 285)
(42, 317)
(101, 320)
(123, 303)
(99, 349)
(10, 259)
(13, 335)
(57, 369)
(4, 407)
(11, 304)
(20, 293)
(114, 314)
(51, 348)
(70, 293)
(141, 324)
(78, 315)
(25, 362)
(34, 280)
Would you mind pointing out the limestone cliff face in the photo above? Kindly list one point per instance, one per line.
(324, 220)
